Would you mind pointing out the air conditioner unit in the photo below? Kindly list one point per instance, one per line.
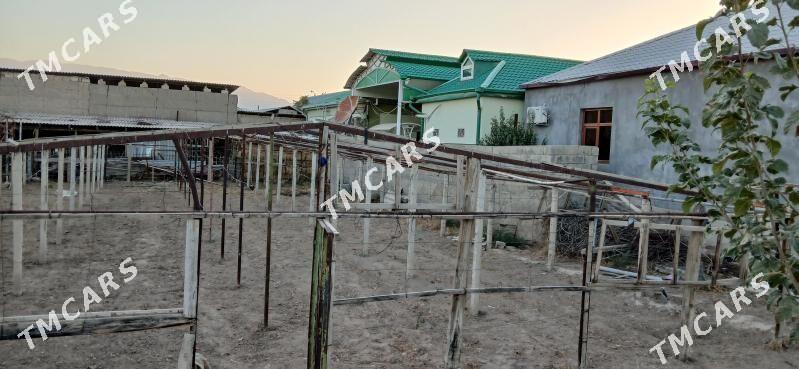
(538, 115)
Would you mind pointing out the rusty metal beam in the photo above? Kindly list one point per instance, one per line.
(188, 174)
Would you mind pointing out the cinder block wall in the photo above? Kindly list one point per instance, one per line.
(71, 95)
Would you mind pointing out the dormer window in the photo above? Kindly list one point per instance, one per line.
(467, 69)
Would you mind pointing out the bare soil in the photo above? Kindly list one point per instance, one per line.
(537, 330)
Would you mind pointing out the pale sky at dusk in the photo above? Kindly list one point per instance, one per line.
(288, 48)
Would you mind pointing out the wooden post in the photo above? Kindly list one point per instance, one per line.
(312, 193)
(692, 263)
(477, 246)
(268, 266)
(17, 169)
(89, 172)
(490, 222)
(101, 164)
(643, 241)
(249, 163)
(257, 167)
(45, 166)
(397, 183)
(585, 301)
(602, 232)
(455, 327)
(129, 155)
(293, 180)
(410, 261)
(211, 160)
(82, 173)
(186, 350)
(366, 221)
(321, 295)
(73, 161)
(59, 199)
(553, 229)
(677, 245)
(442, 229)
(190, 269)
(279, 184)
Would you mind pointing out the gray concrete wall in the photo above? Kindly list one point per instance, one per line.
(631, 150)
(77, 96)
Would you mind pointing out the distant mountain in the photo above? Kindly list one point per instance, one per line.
(248, 99)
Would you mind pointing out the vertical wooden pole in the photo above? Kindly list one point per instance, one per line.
(366, 221)
(676, 259)
(312, 193)
(82, 172)
(211, 160)
(241, 207)
(410, 262)
(225, 177)
(249, 163)
(602, 233)
(89, 171)
(490, 206)
(293, 180)
(129, 155)
(643, 242)
(257, 167)
(279, 183)
(443, 227)
(585, 302)
(692, 262)
(553, 228)
(45, 166)
(59, 199)
(190, 269)
(455, 327)
(103, 149)
(73, 161)
(321, 296)
(477, 246)
(397, 183)
(268, 266)
(17, 169)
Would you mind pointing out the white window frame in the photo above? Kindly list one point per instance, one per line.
(467, 64)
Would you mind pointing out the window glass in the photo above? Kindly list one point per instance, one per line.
(606, 116)
(590, 137)
(590, 116)
(604, 143)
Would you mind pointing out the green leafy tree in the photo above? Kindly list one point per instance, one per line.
(302, 101)
(743, 182)
(509, 132)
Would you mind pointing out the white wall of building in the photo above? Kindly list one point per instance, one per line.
(451, 115)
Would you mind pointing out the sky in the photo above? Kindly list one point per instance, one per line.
(290, 48)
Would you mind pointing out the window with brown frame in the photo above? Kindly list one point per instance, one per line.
(597, 126)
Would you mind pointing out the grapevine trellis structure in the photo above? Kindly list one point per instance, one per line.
(325, 147)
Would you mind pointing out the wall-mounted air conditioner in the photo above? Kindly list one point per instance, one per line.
(538, 115)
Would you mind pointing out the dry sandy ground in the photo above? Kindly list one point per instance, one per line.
(512, 331)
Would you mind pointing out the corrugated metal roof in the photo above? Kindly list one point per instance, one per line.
(656, 53)
(111, 122)
(331, 99)
(517, 69)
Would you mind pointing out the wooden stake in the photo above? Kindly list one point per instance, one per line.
(312, 193)
(477, 246)
(293, 180)
(366, 221)
(82, 173)
(490, 222)
(249, 163)
(268, 266)
(443, 227)
(553, 229)
(45, 166)
(643, 242)
(602, 233)
(190, 276)
(59, 200)
(211, 160)
(73, 161)
(321, 296)
(692, 263)
(455, 327)
(17, 169)
(410, 262)
(279, 183)
(257, 167)
(129, 155)
(677, 245)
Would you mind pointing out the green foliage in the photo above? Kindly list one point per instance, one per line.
(299, 103)
(507, 132)
(510, 239)
(743, 183)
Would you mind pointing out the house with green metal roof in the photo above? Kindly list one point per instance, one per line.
(322, 108)
(461, 109)
(456, 96)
